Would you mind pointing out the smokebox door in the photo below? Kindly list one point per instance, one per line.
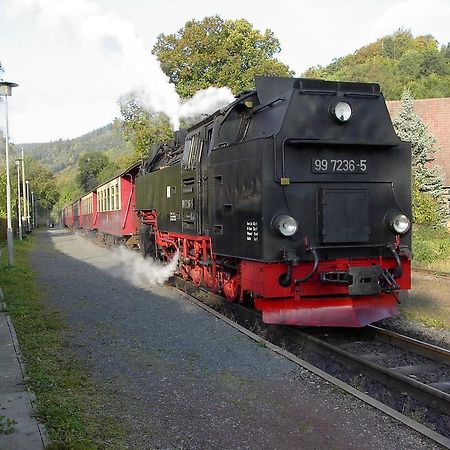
(345, 215)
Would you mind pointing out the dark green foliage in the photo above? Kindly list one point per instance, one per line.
(42, 183)
(425, 207)
(90, 165)
(431, 244)
(64, 154)
(143, 128)
(218, 52)
(396, 61)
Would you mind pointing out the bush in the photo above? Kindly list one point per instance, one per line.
(425, 208)
(430, 244)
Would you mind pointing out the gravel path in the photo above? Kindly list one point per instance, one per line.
(178, 378)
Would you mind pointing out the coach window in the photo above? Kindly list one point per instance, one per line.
(117, 196)
(113, 198)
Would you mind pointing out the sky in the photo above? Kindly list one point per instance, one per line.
(73, 59)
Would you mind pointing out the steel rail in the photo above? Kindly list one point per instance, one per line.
(431, 351)
(388, 376)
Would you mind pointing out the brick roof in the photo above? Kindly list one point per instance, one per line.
(435, 112)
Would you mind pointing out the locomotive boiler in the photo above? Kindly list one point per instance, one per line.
(296, 197)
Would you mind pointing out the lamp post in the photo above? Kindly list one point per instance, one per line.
(28, 205)
(33, 220)
(6, 90)
(24, 191)
(19, 212)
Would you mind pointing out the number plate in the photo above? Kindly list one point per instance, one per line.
(341, 165)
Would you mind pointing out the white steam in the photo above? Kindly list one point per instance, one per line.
(132, 267)
(81, 24)
(206, 101)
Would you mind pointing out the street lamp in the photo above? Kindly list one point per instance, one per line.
(6, 90)
(24, 192)
(19, 209)
(28, 205)
(33, 221)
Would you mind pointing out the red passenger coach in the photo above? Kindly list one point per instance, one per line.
(67, 216)
(76, 214)
(116, 220)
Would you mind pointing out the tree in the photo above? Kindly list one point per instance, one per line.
(42, 182)
(90, 165)
(427, 181)
(395, 61)
(143, 128)
(217, 52)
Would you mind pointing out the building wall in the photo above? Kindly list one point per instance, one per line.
(435, 112)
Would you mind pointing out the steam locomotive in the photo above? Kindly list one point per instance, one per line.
(296, 197)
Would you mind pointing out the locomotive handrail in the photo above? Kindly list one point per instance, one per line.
(314, 269)
(330, 247)
(257, 109)
(398, 270)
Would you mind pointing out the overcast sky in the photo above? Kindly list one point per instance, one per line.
(73, 59)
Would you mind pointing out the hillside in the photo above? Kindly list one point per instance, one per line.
(63, 155)
(396, 62)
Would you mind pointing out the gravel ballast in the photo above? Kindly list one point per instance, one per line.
(179, 378)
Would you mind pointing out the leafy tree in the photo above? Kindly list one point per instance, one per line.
(90, 165)
(218, 52)
(396, 61)
(143, 128)
(428, 192)
(42, 183)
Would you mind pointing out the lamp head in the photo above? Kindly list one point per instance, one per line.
(6, 87)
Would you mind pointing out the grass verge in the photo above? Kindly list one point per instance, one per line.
(67, 400)
(431, 248)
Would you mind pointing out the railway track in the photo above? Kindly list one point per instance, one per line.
(403, 363)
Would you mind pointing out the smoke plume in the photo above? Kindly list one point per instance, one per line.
(82, 25)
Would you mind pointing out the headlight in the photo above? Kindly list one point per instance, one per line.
(341, 111)
(398, 223)
(285, 225)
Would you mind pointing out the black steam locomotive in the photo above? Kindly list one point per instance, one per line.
(296, 196)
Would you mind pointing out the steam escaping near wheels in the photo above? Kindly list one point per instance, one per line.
(132, 267)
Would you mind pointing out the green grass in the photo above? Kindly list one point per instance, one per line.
(431, 248)
(67, 399)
